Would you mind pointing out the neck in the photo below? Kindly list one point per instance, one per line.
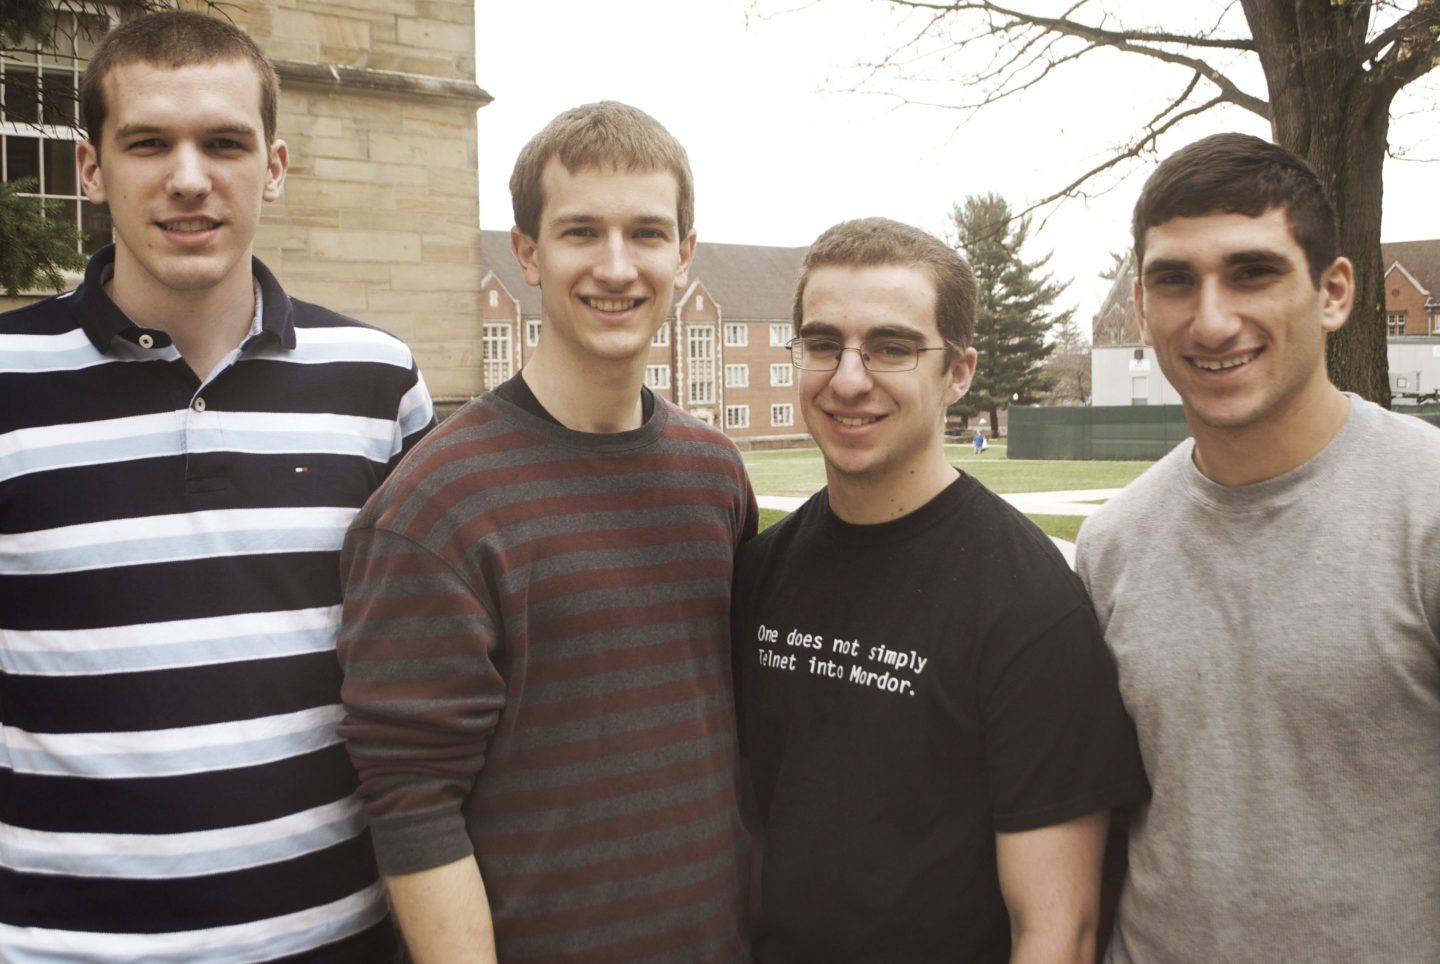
(1280, 443)
(596, 396)
(870, 500)
(204, 325)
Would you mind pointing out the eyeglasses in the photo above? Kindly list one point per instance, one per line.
(822, 354)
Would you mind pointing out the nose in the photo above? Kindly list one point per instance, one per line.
(616, 267)
(851, 378)
(1215, 321)
(189, 176)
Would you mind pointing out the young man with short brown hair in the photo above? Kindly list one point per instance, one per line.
(535, 636)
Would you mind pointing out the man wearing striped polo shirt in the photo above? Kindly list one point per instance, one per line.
(181, 448)
(535, 639)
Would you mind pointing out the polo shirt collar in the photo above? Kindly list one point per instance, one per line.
(103, 322)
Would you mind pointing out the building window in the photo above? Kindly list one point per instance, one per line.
(532, 332)
(699, 302)
(657, 377)
(737, 376)
(782, 416)
(737, 336)
(779, 335)
(495, 342)
(737, 416)
(1140, 390)
(494, 298)
(1395, 322)
(782, 375)
(1435, 321)
(37, 109)
(701, 368)
(661, 338)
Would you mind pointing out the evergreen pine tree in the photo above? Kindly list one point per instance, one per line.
(1014, 311)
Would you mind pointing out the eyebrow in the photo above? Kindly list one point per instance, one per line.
(1231, 260)
(817, 328)
(646, 220)
(131, 130)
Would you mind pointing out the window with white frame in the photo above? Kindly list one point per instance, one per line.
(737, 335)
(737, 416)
(700, 353)
(657, 377)
(782, 375)
(1395, 322)
(532, 331)
(1140, 390)
(661, 338)
(495, 347)
(737, 376)
(37, 110)
(494, 297)
(1435, 320)
(782, 416)
(779, 335)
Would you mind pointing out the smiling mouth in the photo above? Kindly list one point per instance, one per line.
(851, 422)
(189, 225)
(612, 304)
(1221, 364)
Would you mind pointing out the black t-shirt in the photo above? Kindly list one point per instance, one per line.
(515, 391)
(906, 691)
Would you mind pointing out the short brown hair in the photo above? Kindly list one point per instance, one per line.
(871, 242)
(604, 134)
(1239, 174)
(170, 40)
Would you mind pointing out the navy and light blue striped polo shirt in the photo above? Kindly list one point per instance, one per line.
(171, 785)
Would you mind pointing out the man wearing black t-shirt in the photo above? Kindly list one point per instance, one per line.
(929, 712)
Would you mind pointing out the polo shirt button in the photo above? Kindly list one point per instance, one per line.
(146, 341)
(198, 404)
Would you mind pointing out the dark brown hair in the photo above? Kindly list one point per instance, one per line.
(870, 242)
(1239, 174)
(170, 40)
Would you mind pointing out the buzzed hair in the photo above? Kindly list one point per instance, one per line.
(1240, 174)
(170, 40)
(872, 242)
(606, 134)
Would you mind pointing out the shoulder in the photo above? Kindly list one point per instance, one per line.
(1011, 549)
(323, 334)
(45, 317)
(1154, 490)
(1404, 437)
(680, 424)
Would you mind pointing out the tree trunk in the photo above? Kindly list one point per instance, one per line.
(1325, 108)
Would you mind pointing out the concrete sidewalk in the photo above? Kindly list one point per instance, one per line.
(1081, 502)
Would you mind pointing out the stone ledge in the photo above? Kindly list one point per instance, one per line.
(379, 81)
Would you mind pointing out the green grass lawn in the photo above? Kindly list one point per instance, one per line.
(801, 472)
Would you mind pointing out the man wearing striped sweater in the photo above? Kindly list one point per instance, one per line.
(182, 446)
(535, 637)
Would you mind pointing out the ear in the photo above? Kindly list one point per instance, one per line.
(524, 249)
(687, 254)
(1337, 294)
(275, 170)
(962, 370)
(1137, 294)
(87, 164)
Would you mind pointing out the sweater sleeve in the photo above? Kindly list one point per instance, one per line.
(422, 696)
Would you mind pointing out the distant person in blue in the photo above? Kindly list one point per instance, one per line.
(979, 441)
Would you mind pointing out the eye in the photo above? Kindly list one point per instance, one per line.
(145, 144)
(650, 234)
(226, 144)
(1255, 272)
(579, 231)
(890, 350)
(1168, 279)
(821, 346)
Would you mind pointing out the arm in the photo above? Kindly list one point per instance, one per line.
(1050, 879)
(444, 915)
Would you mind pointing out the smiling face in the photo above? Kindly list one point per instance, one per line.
(1237, 324)
(880, 432)
(608, 260)
(185, 169)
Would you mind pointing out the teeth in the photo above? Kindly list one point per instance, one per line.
(188, 226)
(601, 304)
(854, 422)
(1219, 365)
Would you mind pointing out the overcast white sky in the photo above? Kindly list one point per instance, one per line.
(780, 151)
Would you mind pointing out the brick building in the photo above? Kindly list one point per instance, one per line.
(380, 217)
(720, 355)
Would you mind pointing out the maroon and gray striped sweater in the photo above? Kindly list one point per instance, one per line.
(536, 655)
